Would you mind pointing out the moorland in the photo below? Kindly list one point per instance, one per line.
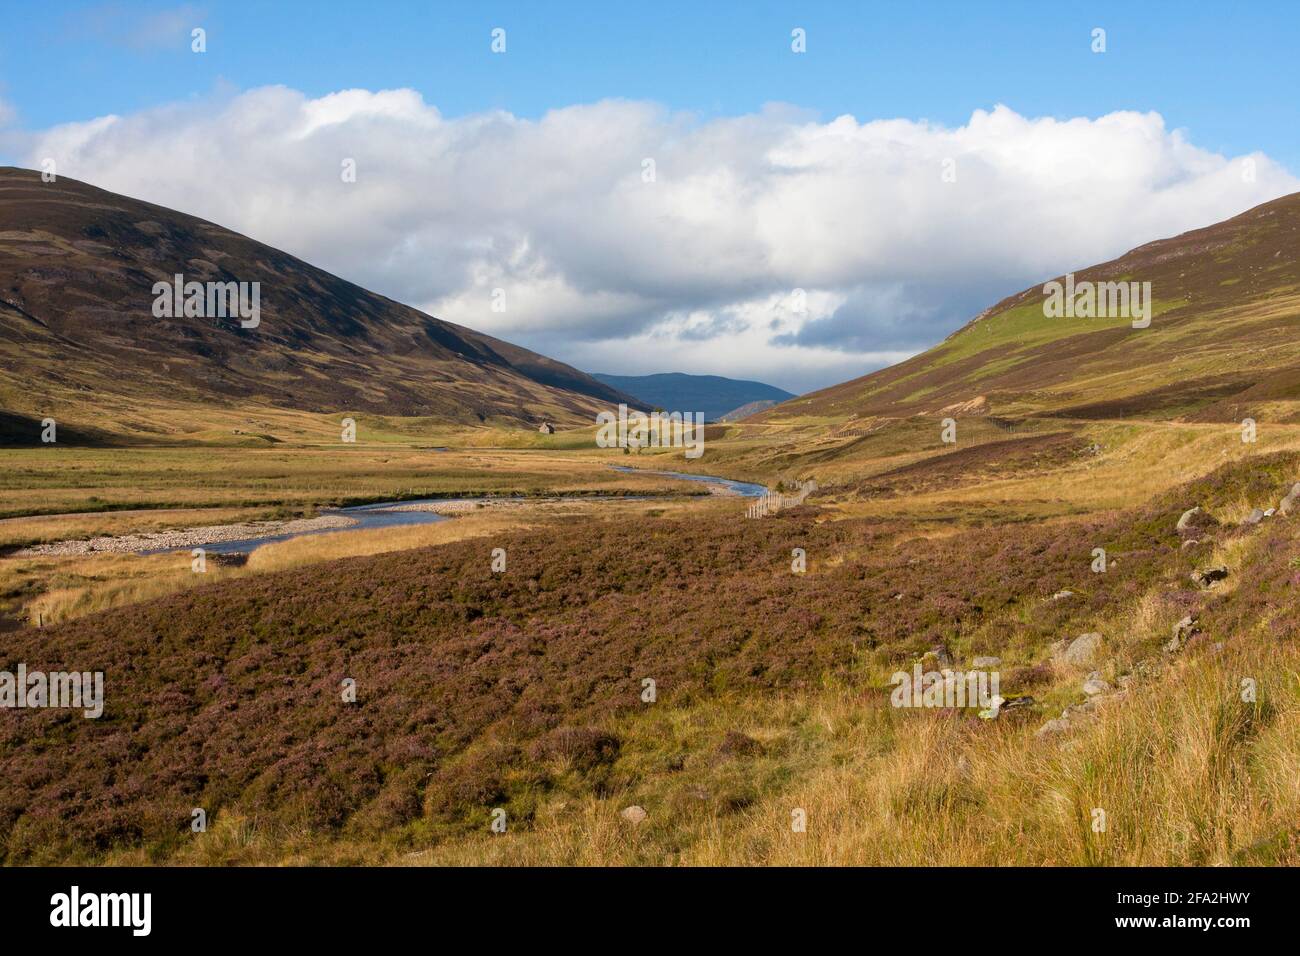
(520, 694)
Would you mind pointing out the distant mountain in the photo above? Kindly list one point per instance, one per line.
(713, 395)
(81, 337)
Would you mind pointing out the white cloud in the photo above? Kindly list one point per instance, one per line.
(694, 270)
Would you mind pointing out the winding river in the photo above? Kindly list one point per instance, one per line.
(392, 514)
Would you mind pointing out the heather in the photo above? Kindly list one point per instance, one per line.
(477, 690)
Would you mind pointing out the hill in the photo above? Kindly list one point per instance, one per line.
(81, 340)
(713, 395)
(1223, 341)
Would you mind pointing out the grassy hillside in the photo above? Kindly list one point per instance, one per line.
(80, 342)
(1224, 341)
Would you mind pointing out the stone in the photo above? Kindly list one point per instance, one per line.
(1184, 631)
(1289, 503)
(1082, 650)
(1255, 517)
(1094, 686)
(1188, 517)
(986, 662)
(1205, 578)
(940, 652)
(633, 814)
(1062, 595)
(1058, 726)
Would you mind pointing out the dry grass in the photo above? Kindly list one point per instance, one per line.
(1185, 772)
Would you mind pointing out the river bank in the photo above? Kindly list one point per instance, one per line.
(242, 537)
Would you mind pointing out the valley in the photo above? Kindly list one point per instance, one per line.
(589, 659)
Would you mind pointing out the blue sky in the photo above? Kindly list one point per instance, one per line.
(1225, 74)
(1227, 71)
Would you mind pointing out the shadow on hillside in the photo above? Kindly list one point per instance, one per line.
(23, 431)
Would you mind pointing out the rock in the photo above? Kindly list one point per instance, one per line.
(991, 713)
(1255, 517)
(1188, 516)
(1058, 726)
(1062, 595)
(1194, 520)
(1289, 503)
(1270, 512)
(1078, 710)
(633, 814)
(1094, 686)
(1203, 579)
(1082, 650)
(986, 662)
(1184, 631)
(940, 652)
(1190, 542)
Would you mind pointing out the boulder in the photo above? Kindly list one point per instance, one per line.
(1195, 519)
(1184, 631)
(1094, 686)
(633, 814)
(1291, 501)
(1255, 517)
(1058, 726)
(1203, 579)
(981, 662)
(941, 655)
(1062, 595)
(1082, 650)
